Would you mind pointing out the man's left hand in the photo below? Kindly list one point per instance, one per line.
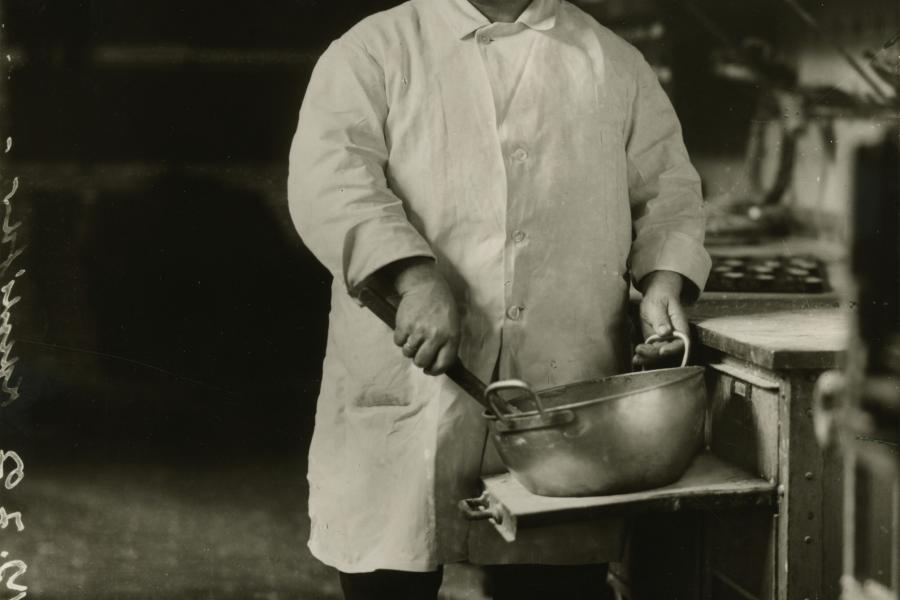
(661, 314)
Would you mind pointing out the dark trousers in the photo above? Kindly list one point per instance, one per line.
(391, 585)
(504, 582)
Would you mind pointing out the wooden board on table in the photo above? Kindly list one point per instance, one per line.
(814, 338)
(709, 482)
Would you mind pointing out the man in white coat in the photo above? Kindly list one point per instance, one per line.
(510, 166)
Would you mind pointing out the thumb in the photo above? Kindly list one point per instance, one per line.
(655, 318)
(677, 316)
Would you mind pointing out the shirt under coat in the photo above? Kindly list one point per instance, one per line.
(541, 165)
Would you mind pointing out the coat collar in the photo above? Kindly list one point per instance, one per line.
(464, 19)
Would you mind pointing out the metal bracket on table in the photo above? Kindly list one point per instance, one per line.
(487, 508)
(741, 388)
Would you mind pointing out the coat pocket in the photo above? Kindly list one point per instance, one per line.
(376, 372)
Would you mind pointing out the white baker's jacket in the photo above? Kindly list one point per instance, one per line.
(540, 185)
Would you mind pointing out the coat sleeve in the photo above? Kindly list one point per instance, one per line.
(664, 188)
(337, 189)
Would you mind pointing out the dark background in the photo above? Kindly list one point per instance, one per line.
(168, 300)
(172, 325)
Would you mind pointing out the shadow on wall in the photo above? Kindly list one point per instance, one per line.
(179, 311)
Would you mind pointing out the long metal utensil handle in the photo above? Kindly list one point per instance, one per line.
(385, 309)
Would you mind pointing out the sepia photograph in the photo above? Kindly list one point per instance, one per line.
(450, 300)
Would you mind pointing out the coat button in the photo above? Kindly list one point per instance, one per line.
(514, 312)
(485, 39)
(520, 154)
(518, 236)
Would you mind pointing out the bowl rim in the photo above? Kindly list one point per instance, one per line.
(687, 373)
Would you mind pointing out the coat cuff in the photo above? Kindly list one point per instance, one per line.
(672, 251)
(377, 243)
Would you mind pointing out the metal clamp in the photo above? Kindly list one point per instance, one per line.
(487, 508)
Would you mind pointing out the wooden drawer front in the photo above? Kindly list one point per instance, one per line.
(743, 420)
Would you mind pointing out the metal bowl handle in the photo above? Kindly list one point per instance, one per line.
(495, 401)
(680, 336)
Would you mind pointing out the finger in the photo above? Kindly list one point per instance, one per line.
(402, 331)
(646, 348)
(658, 362)
(411, 346)
(643, 358)
(446, 356)
(655, 318)
(655, 355)
(647, 351)
(427, 353)
(400, 336)
(643, 362)
(677, 316)
(672, 347)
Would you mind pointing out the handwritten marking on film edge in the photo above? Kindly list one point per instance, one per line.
(10, 479)
(11, 569)
(18, 569)
(9, 239)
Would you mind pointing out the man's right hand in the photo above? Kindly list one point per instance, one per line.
(427, 327)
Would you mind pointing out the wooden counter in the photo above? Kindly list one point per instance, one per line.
(764, 354)
(746, 342)
(805, 336)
